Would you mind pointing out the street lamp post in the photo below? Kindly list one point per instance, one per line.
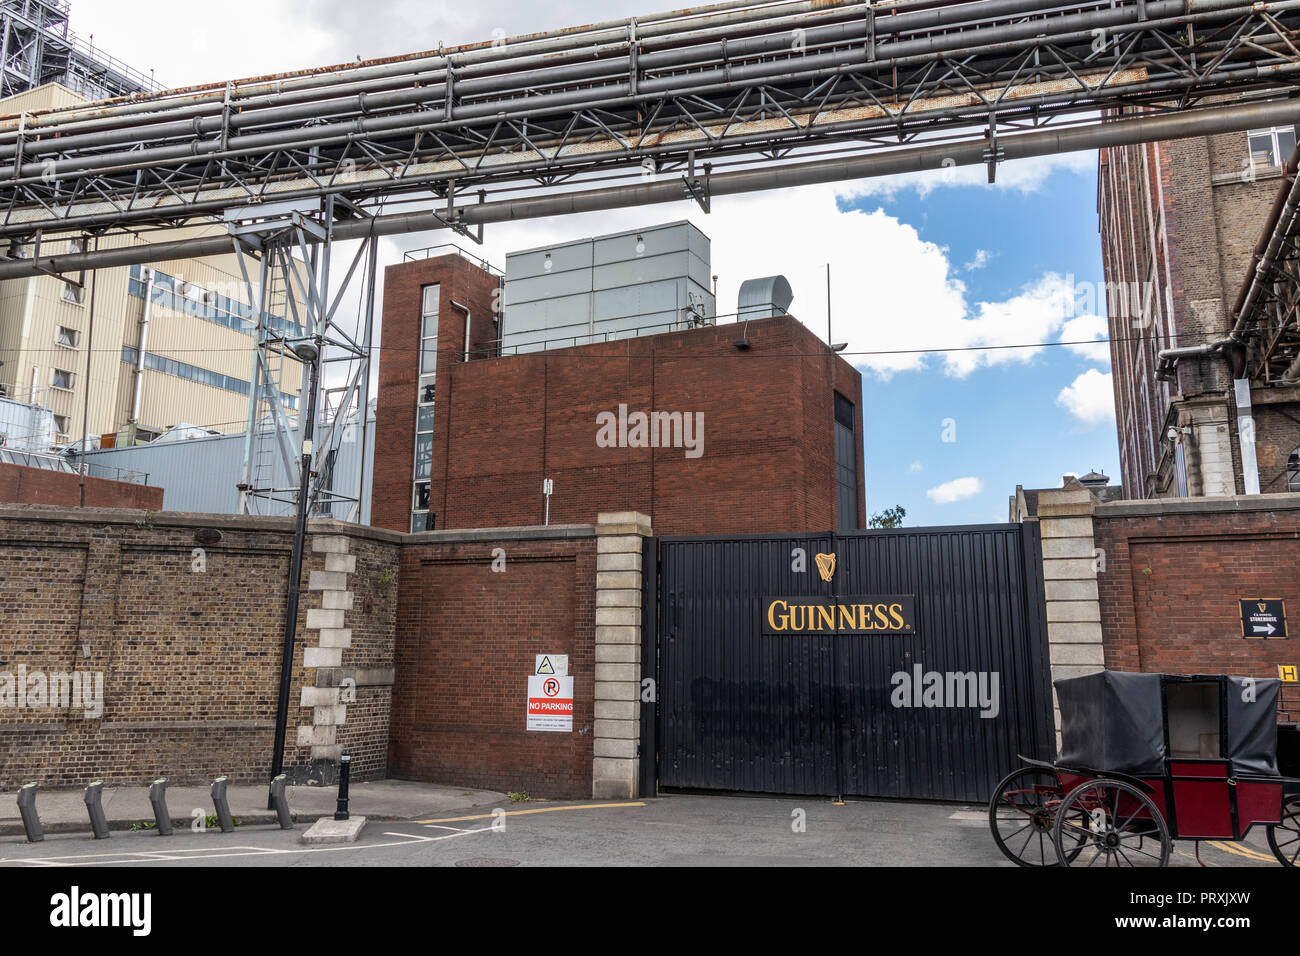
(308, 351)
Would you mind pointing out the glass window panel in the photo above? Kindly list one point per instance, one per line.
(424, 418)
(429, 357)
(429, 305)
(1261, 149)
(1285, 143)
(423, 455)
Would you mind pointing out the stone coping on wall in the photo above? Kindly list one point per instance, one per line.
(315, 526)
(1284, 501)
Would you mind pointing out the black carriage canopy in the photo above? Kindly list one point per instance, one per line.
(1130, 723)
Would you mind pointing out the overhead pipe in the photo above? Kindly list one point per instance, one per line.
(313, 188)
(998, 38)
(1280, 221)
(433, 87)
(1121, 132)
(1089, 21)
(714, 20)
(392, 124)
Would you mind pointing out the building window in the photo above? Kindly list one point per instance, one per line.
(73, 292)
(421, 519)
(66, 337)
(61, 379)
(846, 466)
(61, 424)
(1293, 471)
(429, 330)
(1271, 147)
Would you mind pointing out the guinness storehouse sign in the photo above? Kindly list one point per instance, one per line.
(855, 614)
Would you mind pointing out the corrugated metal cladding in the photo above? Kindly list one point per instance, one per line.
(816, 713)
(611, 287)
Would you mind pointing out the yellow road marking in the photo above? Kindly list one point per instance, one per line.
(1248, 852)
(516, 813)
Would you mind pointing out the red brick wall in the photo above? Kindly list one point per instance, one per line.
(39, 486)
(466, 642)
(399, 365)
(1171, 585)
(502, 425)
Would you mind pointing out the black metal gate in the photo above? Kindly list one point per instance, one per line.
(921, 669)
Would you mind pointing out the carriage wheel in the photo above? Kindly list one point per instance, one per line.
(1284, 837)
(1021, 814)
(1110, 823)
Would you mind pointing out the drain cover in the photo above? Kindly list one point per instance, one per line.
(487, 861)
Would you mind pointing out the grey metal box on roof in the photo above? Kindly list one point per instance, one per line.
(640, 281)
(563, 257)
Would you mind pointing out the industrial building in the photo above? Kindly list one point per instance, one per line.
(200, 469)
(745, 426)
(38, 46)
(169, 342)
(1204, 402)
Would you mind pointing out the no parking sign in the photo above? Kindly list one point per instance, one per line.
(550, 703)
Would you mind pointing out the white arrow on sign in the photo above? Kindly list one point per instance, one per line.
(1266, 629)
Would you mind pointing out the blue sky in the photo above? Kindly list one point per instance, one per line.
(1009, 427)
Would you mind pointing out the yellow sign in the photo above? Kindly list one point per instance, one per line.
(1287, 673)
(894, 613)
(826, 566)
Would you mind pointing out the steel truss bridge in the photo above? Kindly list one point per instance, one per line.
(729, 98)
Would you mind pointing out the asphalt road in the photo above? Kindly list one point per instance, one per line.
(679, 830)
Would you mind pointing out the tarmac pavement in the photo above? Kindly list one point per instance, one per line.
(678, 830)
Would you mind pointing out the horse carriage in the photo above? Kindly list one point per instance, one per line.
(1147, 759)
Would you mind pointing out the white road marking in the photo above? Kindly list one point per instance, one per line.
(200, 853)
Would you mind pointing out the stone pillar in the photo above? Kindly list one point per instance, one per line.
(328, 713)
(615, 770)
(1070, 565)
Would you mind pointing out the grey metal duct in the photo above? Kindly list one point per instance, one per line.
(764, 298)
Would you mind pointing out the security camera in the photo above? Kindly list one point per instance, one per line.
(1172, 433)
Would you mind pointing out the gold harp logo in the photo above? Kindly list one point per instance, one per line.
(826, 566)
(1262, 607)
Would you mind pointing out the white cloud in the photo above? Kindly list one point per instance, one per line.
(981, 258)
(1084, 327)
(959, 489)
(915, 466)
(1090, 398)
(1022, 176)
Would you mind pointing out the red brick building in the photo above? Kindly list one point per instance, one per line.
(768, 413)
(1179, 224)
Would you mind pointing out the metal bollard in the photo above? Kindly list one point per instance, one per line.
(281, 803)
(27, 809)
(345, 767)
(222, 805)
(158, 798)
(95, 807)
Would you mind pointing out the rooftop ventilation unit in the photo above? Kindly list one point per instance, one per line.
(764, 298)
